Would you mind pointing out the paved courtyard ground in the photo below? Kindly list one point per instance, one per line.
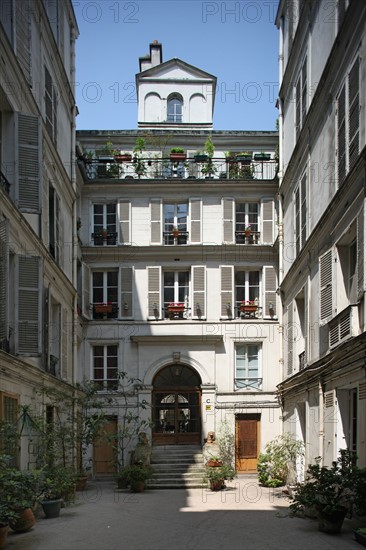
(244, 516)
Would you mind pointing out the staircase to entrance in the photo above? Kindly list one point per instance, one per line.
(176, 467)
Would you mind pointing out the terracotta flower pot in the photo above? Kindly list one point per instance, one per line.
(3, 535)
(25, 521)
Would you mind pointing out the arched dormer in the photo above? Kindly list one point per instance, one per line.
(175, 108)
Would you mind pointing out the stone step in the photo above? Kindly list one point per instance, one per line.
(177, 475)
(176, 467)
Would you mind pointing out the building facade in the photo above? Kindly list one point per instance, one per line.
(37, 204)
(322, 194)
(178, 265)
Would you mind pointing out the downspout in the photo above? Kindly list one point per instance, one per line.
(321, 423)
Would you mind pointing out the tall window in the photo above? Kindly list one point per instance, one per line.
(301, 98)
(105, 294)
(247, 366)
(300, 214)
(105, 367)
(176, 290)
(175, 109)
(104, 224)
(50, 98)
(247, 286)
(175, 223)
(55, 241)
(247, 223)
(348, 122)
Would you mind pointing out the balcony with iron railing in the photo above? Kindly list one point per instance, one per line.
(164, 168)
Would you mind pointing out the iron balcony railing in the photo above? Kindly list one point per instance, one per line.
(164, 168)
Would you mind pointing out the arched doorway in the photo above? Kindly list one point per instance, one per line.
(176, 406)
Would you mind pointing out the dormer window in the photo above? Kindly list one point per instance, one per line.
(175, 109)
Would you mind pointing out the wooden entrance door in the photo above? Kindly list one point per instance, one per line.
(247, 442)
(103, 453)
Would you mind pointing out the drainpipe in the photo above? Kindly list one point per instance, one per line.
(321, 423)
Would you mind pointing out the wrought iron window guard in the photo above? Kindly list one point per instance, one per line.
(254, 383)
(247, 237)
(108, 237)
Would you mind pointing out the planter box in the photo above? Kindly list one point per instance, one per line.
(200, 158)
(262, 156)
(249, 308)
(360, 537)
(103, 308)
(244, 159)
(123, 158)
(178, 157)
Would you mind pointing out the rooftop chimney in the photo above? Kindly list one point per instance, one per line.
(153, 59)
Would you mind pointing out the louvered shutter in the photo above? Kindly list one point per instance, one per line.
(46, 328)
(196, 220)
(154, 290)
(289, 332)
(124, 216)
(330, 427)
(126, 281)
(270, 295)
(29, 305)
(228, 305)
(228, 206)
(267, 220)
(361, 254)
(156, 230)
(23, 36)
(354, 113)
(341, 135)
(29, 162)
(326, 289)
(4, 278)
(198, 307)
(86, 291)
(64, 343)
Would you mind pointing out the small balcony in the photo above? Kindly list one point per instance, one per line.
(105, 310)
(164, 168)
(104, 238)
(5, 185)
(249, 309)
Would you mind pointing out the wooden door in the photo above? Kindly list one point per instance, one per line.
(247, 442)
(103, 452)
(176, 417)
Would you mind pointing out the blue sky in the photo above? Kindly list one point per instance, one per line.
(235, 41)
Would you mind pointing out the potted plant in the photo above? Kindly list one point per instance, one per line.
(136, 476)
(175, 231)
(360, 535)
(200, 156)
(216, 476)
(214, 462)
(209, 168)
(332, 491)
(248, 230)
(22, 488)
(138, 161)
(177, 154)
(57, 483)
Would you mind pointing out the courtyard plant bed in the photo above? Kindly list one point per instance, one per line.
(360, 535)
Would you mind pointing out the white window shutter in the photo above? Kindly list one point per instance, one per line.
(29, 148)
(198, 292)
(4, 278)
(29, 305)
(23, 36)
(195, 214)
(65, 344)
(228, 215)
(154, 292)
(361, 254)
(228, 306)
(341, 135)
(289, 335)
(126, 283)
(156, 220)
(326, 289)
(267, 220)
(270, 294)
(124, 217)
(85, 301)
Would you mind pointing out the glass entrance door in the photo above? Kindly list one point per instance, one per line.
(176, 417)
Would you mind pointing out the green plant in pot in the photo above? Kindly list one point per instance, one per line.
(137, 475)
(360, 535)
(138, 162)
(57, 483)
(209, 169)
(216, 476)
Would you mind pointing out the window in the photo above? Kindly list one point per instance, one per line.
(9, 409)
(175, 223)
(105, 367)
(105, 294)
(4, 285)
(247, 223)
(348, 122)
(176, 291)
(54, 226)
(175, 109)
(104, 224)
(247, 366)
(50, 99)
(300, 214)
(301, 98)
(247, 291)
